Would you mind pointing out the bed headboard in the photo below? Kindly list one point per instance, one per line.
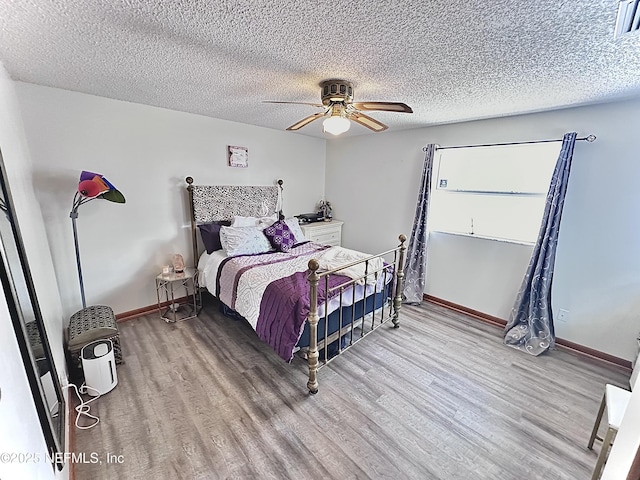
(209, 203)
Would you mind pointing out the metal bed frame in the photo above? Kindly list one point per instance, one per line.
(223, 207)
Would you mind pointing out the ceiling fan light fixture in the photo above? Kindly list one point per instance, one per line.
(340, 109)
(336, 125)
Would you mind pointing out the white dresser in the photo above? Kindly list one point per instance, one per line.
(326, 233)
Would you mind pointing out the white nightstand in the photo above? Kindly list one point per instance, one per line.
(325, 233)
(183, 308)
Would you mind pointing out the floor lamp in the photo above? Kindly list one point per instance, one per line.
(91, 186)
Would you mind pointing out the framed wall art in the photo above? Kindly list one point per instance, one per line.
(238, 156)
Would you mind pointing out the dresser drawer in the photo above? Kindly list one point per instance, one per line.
(325, 233)
(326, 237)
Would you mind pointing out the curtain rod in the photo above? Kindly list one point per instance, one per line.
(588, 138)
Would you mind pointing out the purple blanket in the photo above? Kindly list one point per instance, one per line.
(284, 309)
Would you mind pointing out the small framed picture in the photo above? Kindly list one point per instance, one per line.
(238, 156)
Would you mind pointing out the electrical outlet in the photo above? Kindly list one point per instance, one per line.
(563, 316)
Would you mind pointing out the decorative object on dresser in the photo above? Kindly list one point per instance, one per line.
(304, 296)
(327, 211)
(310, 217)
(326, 233)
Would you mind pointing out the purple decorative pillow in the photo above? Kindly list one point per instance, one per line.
(210, 233)
(280, 236)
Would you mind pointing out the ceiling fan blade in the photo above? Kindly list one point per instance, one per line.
(367, 121)
(296, 103)
(383, 106)
(306, 121)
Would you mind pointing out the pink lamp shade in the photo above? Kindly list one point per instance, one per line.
(89, 188)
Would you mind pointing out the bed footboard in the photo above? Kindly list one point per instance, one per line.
(354, 329)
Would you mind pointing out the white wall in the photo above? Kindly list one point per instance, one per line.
(146, 152)
(476, 269)
(597, 276)
(20, 428)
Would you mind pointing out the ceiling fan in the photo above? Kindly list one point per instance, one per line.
(338, 106)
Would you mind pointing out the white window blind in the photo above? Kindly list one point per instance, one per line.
(496, 192)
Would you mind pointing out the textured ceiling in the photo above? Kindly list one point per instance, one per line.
(450, 61)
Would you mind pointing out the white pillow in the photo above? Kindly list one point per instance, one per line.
(239, 221)
(262, 222)
(294, 226)
(243, 240)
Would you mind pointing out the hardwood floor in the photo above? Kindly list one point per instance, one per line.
(439, 398)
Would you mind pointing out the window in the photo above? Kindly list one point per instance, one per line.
(495, 192)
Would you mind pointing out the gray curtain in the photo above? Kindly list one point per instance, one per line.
(416, 263)
(530, 325)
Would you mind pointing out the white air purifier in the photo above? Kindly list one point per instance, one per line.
(99, 366)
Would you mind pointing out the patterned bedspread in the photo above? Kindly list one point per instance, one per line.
(242, 280)
(271, 292)
(284, 309)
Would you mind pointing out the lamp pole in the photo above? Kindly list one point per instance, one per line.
(77, 201)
